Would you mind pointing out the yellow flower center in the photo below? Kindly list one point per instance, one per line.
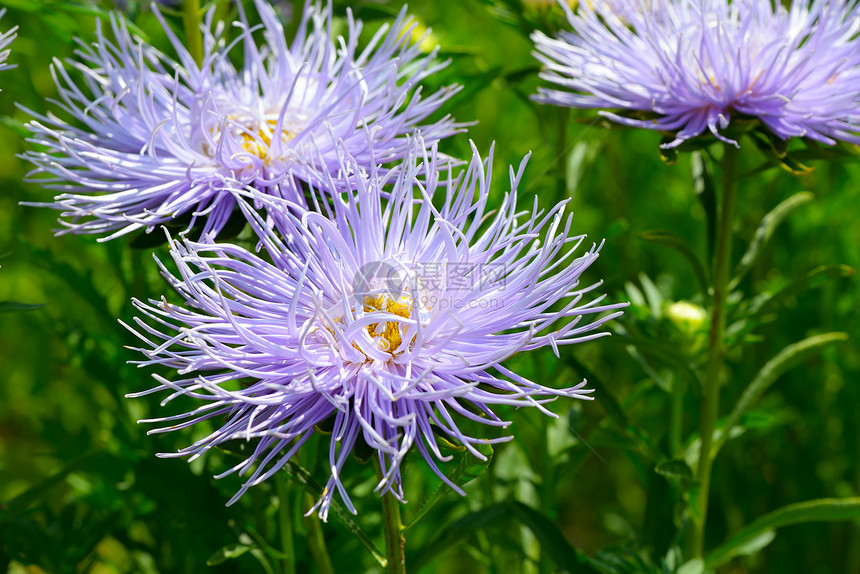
(387, 333)
(258, 143)
(253, 135)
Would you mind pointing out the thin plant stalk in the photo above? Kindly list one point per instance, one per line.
(395, 538)
(316, 540)
(547, 495)
(285, 524)
(676, 421)
(716, 341)
(191, 19)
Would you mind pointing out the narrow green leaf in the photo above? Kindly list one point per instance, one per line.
(20, 503)
(659, 350)
(695, 566)
(80, 282)
(304, 477)
(821, 510)
(239, 448)
(613, 408)
(675, 468)
(658, 524)
(818, 277)
(653, 295)
(755, 545)
(777, 156)
(460, 530)
(703, 182)
(467, 469)
(783, 361)
(682, 246)
(545, 530)
(472, 85)
(551, 539)
(765, 231)
(15, 306)
(607, 399)
(228, 553)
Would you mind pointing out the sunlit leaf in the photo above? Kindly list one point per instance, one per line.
(765, 231)
(821, 510)
(783, 361)
(682, 246)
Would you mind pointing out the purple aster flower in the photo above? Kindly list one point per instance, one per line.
(152, 139)
(696, 64)
(6, 39)
(388, 318)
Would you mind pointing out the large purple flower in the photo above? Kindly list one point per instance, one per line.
(390, 318)
(152, 139)
(695, 64)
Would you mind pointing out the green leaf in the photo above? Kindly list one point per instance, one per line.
(551, 539)
(467, 469)
(658, 525)
(14, 306)
(304, 477)
(679, 244)
(676, 468)
(821, 510)
(755, 545)
(703, 182)
(653, 295)
(658, 349)
(80, 282)
(459, 531)
(818, 277)
(777, 156)
(695, 566)
(545, 530)
(613, 409)
(765, 231)
(240, 447)
(20, 503)
(228, 553)
(471, 85)
(771, 371)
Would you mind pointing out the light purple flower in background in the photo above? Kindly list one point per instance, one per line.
(389, 318)
(151, 139)
(6, 39)
(696, 64)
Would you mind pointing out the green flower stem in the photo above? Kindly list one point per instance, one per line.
(193, 36)
(395, 539)
(676, 421)
(563, 119)
(316, 540)
(285, 524)
(547, 492)
(716, 341)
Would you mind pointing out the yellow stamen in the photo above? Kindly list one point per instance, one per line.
(388, 330)
(258, 144)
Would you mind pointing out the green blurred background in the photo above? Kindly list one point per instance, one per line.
(85, 493)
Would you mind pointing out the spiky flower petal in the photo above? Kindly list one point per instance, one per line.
(6, 39)
(152, 139)
(389, 317)
(696, 64)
